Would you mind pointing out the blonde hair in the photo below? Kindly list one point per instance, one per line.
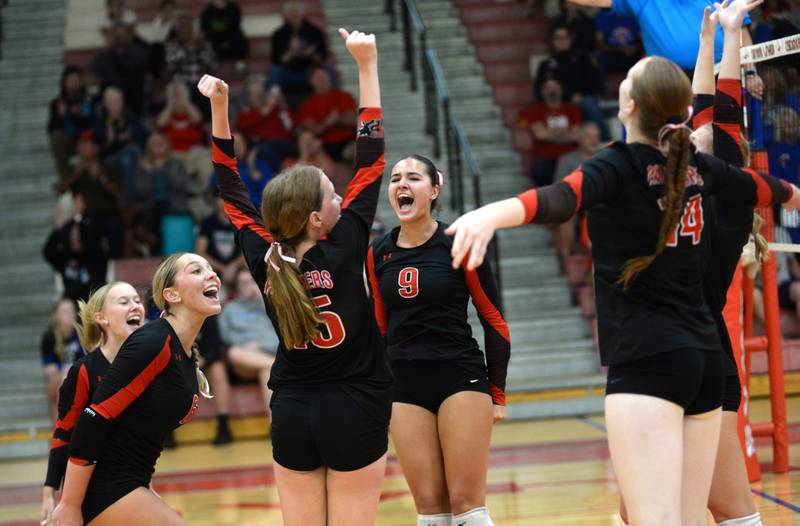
(163, 279)
(61, 349)
(90, 333)
(286, 203)
(760, 242)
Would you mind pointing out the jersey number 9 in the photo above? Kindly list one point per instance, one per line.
(408, 280)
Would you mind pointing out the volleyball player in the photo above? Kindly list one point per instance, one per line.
(112, 313)
(445, 399)
(151, 388)
(647, 206)
(331, 383)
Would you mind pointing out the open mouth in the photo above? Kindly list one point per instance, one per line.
(134, 320)
(405, 201)
(212, 293)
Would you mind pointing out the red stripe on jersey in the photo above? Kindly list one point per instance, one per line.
(111, 407)
(241, 220)
(763, 191)
(79, 401)
(219, 157)
(57, 442)
(80, 461)
(380, 310)
(484, 305)
(575, 181)
(530, 200)
(703, 117)
(498, 395)
(363, 178)
(731, 88)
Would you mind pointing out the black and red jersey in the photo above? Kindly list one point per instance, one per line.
(349, 351)
(149, 390)
(622, 188)
(74, 395)
(421, 306)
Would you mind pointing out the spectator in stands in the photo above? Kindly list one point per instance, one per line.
(120, 135)
(216, 242)
(248, 333)
(182, 123)
(123, 63)
(100, 184)
(554, 126)
(255, 173)
(297, 46)
(189, 56)
(78, 251)
(588, 144)
(162, 27)
(221, 22)
(619, 43)
(578, 74)
(70, 116)
(268, 124)
(784, 149)
(60, 348)
(330, 114)
(310, 151)
(162, 188)
(579, 23)
(212, 353)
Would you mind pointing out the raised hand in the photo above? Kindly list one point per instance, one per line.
(708, 29)
(361, 46)
(731, 14)
(213, 88)
(472, 234)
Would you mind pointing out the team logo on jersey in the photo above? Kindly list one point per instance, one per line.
(387, 256)
(192, 410)
(373, 128)
(319, 280)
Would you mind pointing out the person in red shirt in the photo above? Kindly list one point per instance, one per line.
(554, 125)
(331, 115)
(268, 123)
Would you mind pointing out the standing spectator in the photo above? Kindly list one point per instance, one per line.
(78, 251)
(162, 27)
(330, 114)
(268, 123)
(221, 22)
(120, 135)
(216, 242)
(579, 23)
(588, 144)
(619, 44)
(248, 333)
(578, 74)
(297, 46)
(60, 348)
(70, 116)
(554, 126)
(123, 63)
(188, 57)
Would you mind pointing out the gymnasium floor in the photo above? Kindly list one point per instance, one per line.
(553, 472)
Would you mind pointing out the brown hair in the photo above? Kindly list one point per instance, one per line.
(90, 333)
(163, 279)
(662, 94)
(436, 176)
(286, 203)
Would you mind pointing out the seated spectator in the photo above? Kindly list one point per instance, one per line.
(189, 56)
(330, 114)
(70, 116)
(60, 348)
(554, 126)
(268, 123)
(784, 148)
(123, 63)
(248, 333)
(78, 251)
(578, 75)
(120, 135)
(221, 22)
(255, 173)
(580, 24)
(100, 184)
(619, 41)
(162, 190)
(588, 144)
(297, 46)
(788, 295)
(216, 242)
(310, 151)
(212, 351)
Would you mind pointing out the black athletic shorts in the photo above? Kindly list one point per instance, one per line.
(429, 383)
(324, 426)
(732, 396)
(691, 378)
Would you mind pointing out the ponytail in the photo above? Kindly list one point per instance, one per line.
(760, 242)
(202, 381)
(676, 173)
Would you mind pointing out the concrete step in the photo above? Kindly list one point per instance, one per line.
(15, 310)
(588, 405)
(23, 450)
(564, 325)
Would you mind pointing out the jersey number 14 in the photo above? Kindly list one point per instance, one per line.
(691, 222)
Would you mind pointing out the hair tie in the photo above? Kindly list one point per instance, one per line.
(673, 123)
(277, 246)
(440, 177)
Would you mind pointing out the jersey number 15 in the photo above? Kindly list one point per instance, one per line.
(334, 333)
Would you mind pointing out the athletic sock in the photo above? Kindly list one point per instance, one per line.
(750, 520)
(440, 519)
(474, 517)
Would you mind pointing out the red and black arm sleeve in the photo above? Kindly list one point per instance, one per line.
(742, 186)
(251, 235)
(374, 287)
(703, 106)
(73, 397)
(497, 339)
(143, 356)
(727, 115)
(361, 198)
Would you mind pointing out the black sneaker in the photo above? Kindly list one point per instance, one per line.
(223, 436)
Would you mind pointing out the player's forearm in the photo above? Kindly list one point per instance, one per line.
(369, 92)
(703, 79)
(76, 481)
(220, 127)
(729, 66)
